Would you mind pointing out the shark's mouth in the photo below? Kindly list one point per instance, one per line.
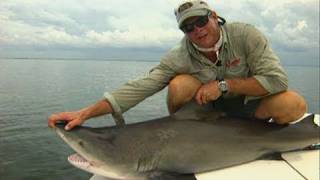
(79, 161)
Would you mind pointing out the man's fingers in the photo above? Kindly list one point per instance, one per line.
(72, 124)
(63, 117)
(201, 98)
(198, 97)
(204, 98)
(58, 117)
(52, 120)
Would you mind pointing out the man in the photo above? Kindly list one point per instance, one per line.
(228, 65)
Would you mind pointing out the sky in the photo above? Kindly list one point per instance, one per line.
(140, 29)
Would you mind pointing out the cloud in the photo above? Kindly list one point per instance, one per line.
(21, 33)
(101, 23)
(133, 38)
(290, 25)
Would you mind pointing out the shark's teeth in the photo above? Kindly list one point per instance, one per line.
(78, 160)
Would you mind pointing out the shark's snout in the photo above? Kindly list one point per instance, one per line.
(76, 143)
(95, 151)
(59, 131)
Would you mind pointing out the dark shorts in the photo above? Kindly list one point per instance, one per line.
(235, 107)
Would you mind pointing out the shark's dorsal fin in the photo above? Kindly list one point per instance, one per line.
(308, 120)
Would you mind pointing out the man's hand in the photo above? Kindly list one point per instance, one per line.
(73, 119)
(208, 92)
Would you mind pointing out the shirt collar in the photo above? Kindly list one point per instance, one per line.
(224, 36)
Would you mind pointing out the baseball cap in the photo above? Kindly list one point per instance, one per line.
(191, 8)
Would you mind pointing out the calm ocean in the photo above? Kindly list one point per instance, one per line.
(30, 90)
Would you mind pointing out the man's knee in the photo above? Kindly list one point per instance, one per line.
(183, 84)
(297, 106)
(284, 107)
(181, 89)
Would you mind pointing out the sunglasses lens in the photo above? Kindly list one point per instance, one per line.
(187, 28)
(200, 22)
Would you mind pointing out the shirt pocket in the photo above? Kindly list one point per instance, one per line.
(236, 67)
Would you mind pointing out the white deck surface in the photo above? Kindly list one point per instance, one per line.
(297, 165)
(307, 163)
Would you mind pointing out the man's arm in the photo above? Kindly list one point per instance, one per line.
(266, 75)
(135, 91)
(75, 118)
(101, 107)
(241, 86)
(246, 86)
(120, 100)
(264, 65)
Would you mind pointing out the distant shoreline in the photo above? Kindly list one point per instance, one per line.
(284, 63)
(81, 59)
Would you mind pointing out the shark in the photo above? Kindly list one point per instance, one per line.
(193, 140)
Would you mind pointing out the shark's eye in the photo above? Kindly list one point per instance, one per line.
(81, 143)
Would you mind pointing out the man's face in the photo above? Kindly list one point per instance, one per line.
(206, 36)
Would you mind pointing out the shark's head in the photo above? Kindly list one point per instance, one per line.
(95, 150)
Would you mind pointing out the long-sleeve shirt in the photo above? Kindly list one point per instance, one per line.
(245, 52)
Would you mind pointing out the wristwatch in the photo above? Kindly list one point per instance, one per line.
(222, 84)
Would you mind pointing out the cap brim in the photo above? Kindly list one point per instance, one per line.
(193, 13)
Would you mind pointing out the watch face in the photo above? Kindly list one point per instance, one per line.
(223, 86)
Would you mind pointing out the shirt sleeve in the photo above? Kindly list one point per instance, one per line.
(135, 91)
(263, 63)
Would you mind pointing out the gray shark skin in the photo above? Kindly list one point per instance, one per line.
(191, 141)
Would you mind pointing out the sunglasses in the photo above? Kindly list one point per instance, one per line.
(200, 22)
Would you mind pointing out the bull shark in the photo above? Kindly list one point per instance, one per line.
(194, 140)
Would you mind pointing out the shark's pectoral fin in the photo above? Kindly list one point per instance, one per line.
(170, 176)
